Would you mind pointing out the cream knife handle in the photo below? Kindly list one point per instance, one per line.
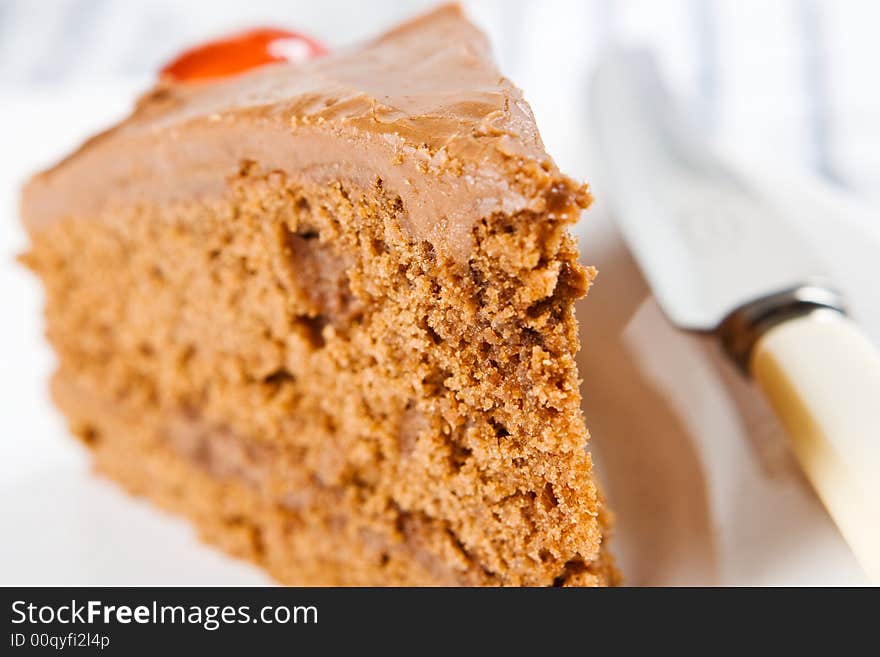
(821, 375)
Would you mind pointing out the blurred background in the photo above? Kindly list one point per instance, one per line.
(793, 81)
(694, 464)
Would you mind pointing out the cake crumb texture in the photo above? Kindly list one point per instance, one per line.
(325, 397)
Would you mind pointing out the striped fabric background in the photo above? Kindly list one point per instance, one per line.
(793, 81)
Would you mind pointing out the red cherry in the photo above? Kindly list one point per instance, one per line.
(241, 52)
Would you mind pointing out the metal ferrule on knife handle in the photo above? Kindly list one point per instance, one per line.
(742, 328)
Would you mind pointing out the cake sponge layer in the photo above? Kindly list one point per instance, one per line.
(326, 395)
(218, 492)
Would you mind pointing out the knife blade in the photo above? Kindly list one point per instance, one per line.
(721, 257)
(706, 239)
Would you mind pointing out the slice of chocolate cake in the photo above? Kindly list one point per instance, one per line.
(326, 312)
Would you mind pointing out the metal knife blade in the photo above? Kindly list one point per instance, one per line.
(706, 239)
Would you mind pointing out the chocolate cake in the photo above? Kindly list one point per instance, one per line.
(325, 311)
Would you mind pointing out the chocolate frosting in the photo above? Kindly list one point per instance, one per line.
(421, 107)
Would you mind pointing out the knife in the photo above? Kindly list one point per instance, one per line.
(721, 258)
